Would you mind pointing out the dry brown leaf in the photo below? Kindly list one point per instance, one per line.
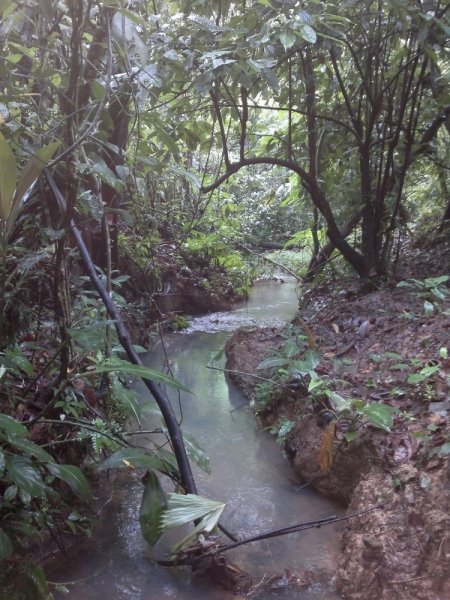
(325, 457)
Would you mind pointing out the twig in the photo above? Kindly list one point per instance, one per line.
(299, 527)
(249, 375)
(278, 532)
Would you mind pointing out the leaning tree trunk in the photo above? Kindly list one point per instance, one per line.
(319, 260)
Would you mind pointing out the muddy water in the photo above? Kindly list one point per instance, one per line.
(248, 473)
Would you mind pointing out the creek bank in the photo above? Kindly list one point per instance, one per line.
(180, 292)
(402, 550)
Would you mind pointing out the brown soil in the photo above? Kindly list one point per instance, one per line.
(403, 549)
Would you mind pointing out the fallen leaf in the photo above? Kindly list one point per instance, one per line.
(325, 457)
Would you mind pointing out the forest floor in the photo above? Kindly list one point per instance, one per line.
(374, 348)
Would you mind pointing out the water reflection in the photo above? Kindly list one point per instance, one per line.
(248, 472)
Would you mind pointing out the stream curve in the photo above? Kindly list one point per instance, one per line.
(248, 472)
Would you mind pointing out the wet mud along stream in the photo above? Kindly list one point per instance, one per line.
(248, 472)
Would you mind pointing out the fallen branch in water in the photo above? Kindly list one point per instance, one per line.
(266, 535)
(298, 527)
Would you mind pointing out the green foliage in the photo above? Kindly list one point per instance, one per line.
(186, 508)
(152, 507)
(418, 375)
(178, 323)
(432, 289)
(101, 435)
(282, 430)
(291, 373)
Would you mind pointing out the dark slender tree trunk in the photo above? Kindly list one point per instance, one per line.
(319, 260)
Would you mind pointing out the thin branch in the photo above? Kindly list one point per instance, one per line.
(298, 527)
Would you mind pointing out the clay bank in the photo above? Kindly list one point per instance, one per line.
(370, 356)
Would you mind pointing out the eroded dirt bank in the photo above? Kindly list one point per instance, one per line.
(402, 550)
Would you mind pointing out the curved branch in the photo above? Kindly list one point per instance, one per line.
(259, 160)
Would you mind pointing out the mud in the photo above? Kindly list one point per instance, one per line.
(403, 549)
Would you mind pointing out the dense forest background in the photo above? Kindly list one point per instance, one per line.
(155, 149)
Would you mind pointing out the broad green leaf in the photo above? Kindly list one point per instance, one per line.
(351, 435)
(6, 547)
(445, 449)
(287, 38)
(291, 348)
(11, 492)
(432, 282)
(184, 509)
(126, 398)
(152, 506)
(168, 458)
(8, 179)
(196, 453)
(98, 90)
(72, 476)
(116, 364)
(428, 308)
(191, 176)
(29, 447)
(379, 414)
(416, 378)
(89, 336)
(439, 293)
(341, 403)
(427, 371)
(392, 355)
(150, 407)
(2, 462)
(312, 358)
(272, 362)
(315, 383)
(168, 141)
(10, 425)
(31, 171)
(137, 457)
(301, 366)
(101, 169)
(309, 34)
(20, 360)
(4, 4)
(25, 475)
(62, 589)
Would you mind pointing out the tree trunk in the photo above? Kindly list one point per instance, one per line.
(318, 261)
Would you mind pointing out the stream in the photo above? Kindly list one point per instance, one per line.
(248, 472)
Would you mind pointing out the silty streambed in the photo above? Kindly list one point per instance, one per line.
(247, 471)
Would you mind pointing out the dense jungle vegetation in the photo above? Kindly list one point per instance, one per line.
(151, 148)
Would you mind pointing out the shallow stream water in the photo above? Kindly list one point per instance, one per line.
(248, 472)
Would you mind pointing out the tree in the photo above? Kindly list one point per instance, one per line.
(359, 88)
